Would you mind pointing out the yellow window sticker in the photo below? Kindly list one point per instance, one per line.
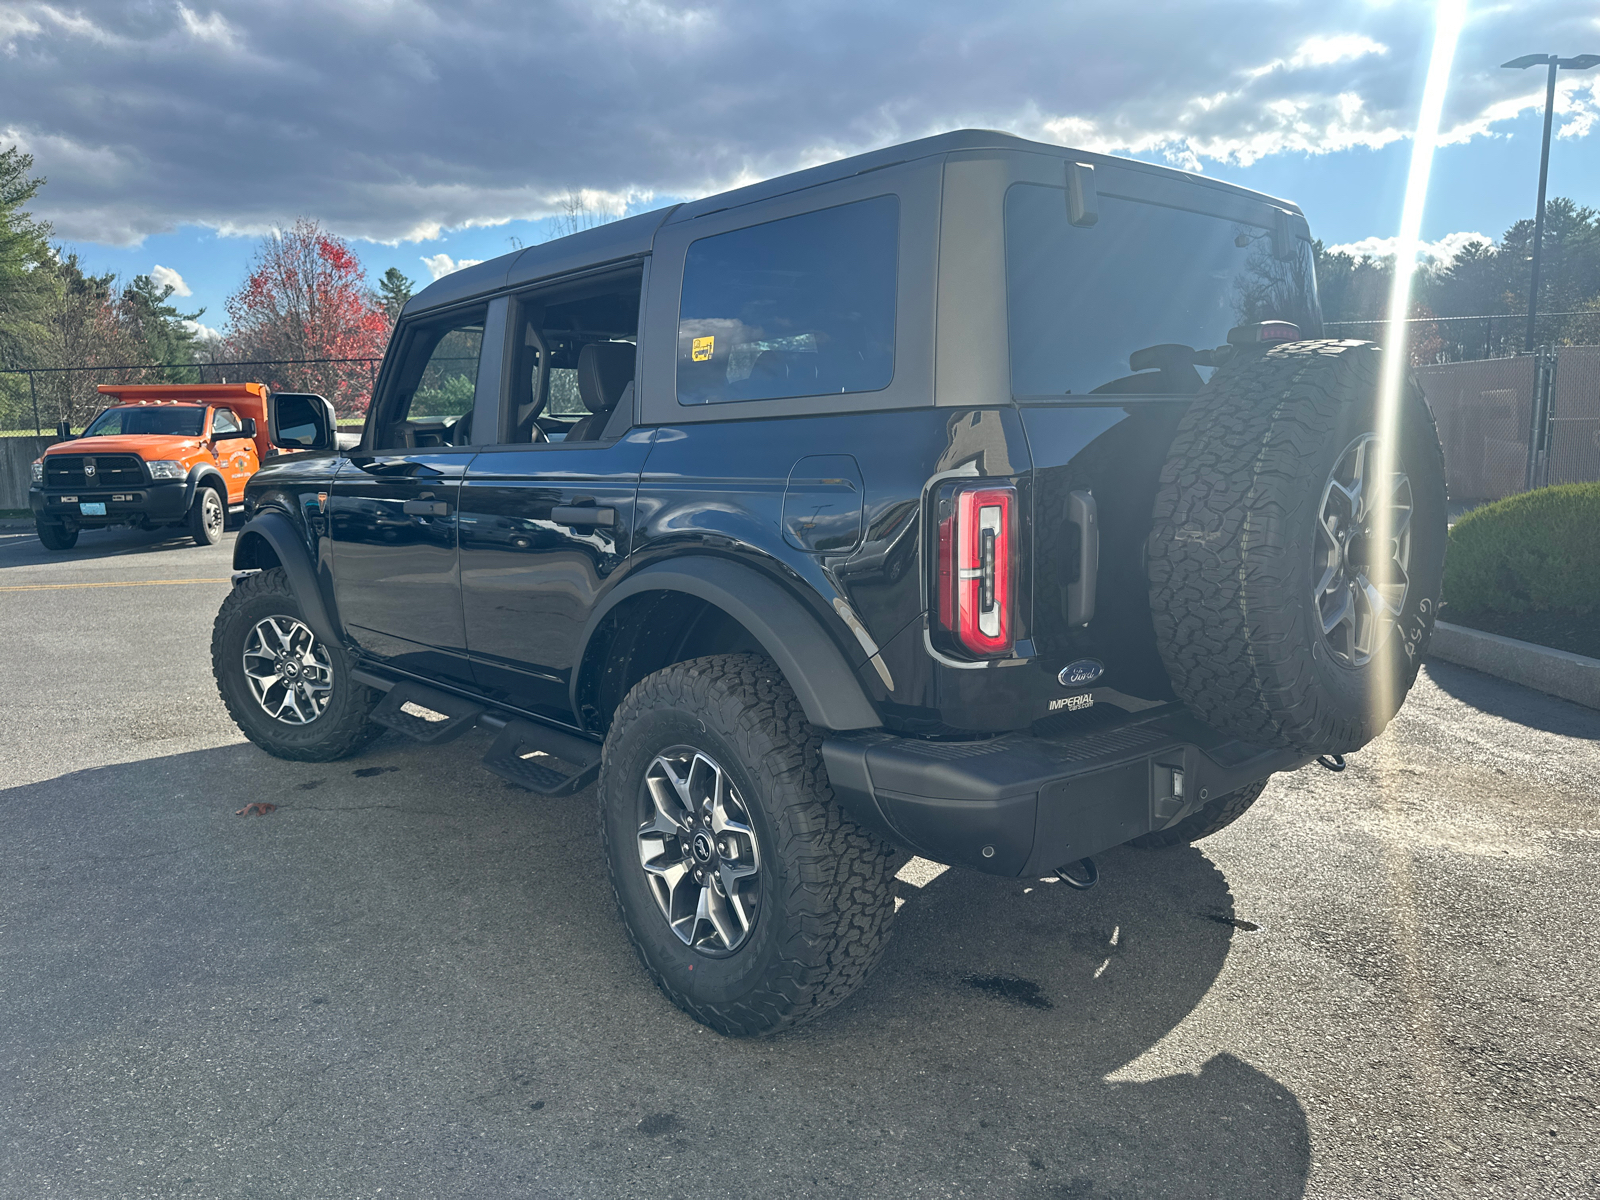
(702, 348)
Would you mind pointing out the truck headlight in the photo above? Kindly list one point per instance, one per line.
(166, 468)
(38, 470)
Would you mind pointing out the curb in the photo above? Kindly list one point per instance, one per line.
(1573, 677)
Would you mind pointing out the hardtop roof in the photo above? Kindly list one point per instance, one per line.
(632, 237)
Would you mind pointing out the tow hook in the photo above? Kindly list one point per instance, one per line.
(1090, 876)
(1333, 762)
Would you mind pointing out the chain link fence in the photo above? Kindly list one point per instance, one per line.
(1512, 424)
(1573, 455)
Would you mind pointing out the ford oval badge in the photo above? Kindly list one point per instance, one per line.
(1084, 671)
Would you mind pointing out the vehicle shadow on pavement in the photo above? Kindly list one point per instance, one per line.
(410, 976)
(23, 548)
(1525, 706)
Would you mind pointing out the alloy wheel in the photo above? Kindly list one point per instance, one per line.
(290, 673)
(212, 512)
(1363, 552)
(699, 851)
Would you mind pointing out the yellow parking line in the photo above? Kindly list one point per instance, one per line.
(49, 587)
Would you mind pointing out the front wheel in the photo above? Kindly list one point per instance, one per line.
(752, 901)
(207, 516)
(288, 691)
(55, 535)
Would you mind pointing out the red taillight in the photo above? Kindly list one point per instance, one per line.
(977, 569)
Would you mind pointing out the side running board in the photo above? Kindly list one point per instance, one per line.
(452, 715)
(523, 751)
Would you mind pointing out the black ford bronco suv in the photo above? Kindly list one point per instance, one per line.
(981, 498)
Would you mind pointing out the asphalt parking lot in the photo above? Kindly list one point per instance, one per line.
(409, 979)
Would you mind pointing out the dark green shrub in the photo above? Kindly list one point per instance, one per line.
(1534, 552)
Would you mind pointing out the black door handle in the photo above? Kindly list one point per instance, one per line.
(425, 508)
(582, 514)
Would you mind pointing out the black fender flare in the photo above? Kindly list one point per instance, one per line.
(810, 660)
(279, 532)
(203, 473)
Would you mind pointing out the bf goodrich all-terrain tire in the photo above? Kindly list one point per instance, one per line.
(1283, 614)
(1219, 814)
(711, 770)
(55, 535)
(208, 516)
(287, 690)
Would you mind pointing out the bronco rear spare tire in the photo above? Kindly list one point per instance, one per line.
(1295, 556)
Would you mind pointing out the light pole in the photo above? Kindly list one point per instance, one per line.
(1581, 63)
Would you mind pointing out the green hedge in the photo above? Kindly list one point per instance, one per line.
(1539, 551)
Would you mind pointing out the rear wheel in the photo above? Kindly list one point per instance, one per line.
(753, 902)
(288, 691)
(55, 535)
(207, 516)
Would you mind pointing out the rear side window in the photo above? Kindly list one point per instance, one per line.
(803, 306)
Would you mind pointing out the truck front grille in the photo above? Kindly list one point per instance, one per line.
(110, 470)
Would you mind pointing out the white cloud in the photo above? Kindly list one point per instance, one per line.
(440, 265)
(1342, 47)
(204, 332)
(213, 28)
(167, 277)
(389, 121)
(1433, 254)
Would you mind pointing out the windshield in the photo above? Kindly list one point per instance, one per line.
(182, 420)
(1081, 300)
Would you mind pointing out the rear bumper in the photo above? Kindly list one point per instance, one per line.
(157, 502)
(1023, 804)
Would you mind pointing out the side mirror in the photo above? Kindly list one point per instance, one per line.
(301, 421)
(64, 431)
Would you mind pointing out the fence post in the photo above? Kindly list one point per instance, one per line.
(34, 392)
(1544, 379)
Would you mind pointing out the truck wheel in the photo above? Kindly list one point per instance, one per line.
(750, 898)
(288, 691)
(207, 515)
(1284, 614)
(55, 535)
(1218, 814)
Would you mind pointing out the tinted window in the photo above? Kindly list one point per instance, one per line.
(180, 420)
(436, 386)
(798, 307)
(557, 323)
(449, 379)
(1080, 300)
(223, 421)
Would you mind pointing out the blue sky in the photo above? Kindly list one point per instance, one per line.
(177, 135)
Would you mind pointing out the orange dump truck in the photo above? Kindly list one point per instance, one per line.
(161, 455)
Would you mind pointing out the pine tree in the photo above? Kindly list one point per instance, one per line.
(162, 332)
(28, 286)
(394, 289)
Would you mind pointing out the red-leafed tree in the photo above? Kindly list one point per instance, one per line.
(307, 297)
